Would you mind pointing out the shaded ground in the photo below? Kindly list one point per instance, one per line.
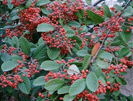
(128, 89)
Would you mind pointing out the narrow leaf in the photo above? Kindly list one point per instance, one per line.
(86, 61)
(106, 11)
(24, 45)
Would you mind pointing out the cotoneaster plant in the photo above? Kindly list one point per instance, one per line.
(59, 50)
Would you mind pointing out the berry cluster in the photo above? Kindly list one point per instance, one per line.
(10, 80)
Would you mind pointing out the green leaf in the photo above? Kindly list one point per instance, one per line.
(44, 27)
(80, 99)
(128, 12)
(86, 61)
(70, 33)
(102, 64)
(45, 11)
(54, 84)
(88, 2)
(105, 55)
(42, 2)
(94, 17)
(40, 51)
(130, 44)
(118, 79)
(131, 3)
(111, 79)
(28, 4)
(16, 58)
(102, 80)
(118, 7)
(9, 65)
(106, 11)
(73, 23)
(63, 90)
(24, 45)
(25, 86)
(117, 41)
(68, 98)
(41, 41)
(98, 72)
(123, 73)
(77, 87)
(80, 13)
(82, 53)
(116, 93)
(10, 89)
(15, 17)
(123, 81)
(5, 57)
(67, 28)
(9, 4)
(50, 65)
(53, 53)
(84, 29)
(39, 81)
(92, 82)
(123, 52)
(126, 36)
(15, 42)
(78, 40)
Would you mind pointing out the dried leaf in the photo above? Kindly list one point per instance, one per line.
(95, 48)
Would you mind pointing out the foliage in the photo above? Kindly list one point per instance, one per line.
(53, 50)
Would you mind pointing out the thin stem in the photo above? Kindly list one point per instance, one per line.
(94, 57)
(98, 2)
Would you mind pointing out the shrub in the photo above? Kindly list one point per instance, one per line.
(55, 50)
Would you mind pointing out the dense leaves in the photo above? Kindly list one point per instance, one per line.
(64, 50)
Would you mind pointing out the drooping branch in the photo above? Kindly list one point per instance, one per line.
(98, 2)
(95, 56)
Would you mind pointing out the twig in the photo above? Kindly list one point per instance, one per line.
(94, 57)
(98, 2)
